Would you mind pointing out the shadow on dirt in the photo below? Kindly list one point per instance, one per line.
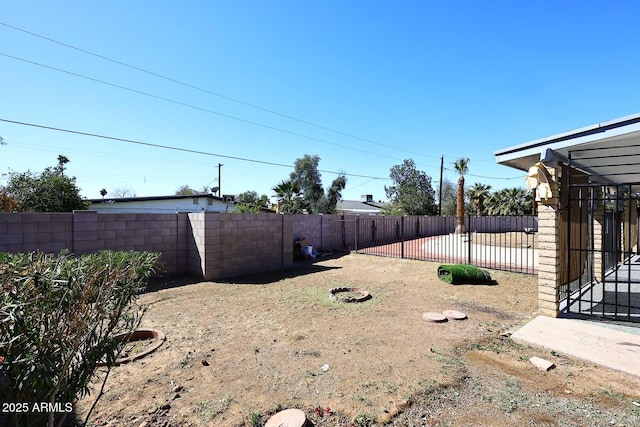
(159, 283)
(299, 268)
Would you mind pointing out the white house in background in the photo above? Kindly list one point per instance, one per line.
(165, 204)
(365, 206)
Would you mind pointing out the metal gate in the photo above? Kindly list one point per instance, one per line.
(599, 247)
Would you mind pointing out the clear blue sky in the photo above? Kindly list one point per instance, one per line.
(381, 81)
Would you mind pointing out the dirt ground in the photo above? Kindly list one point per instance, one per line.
(239, 351)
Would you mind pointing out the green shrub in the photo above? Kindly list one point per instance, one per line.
(58, 318)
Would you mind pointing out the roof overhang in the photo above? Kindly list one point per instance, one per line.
(156, 198)
(608, 152)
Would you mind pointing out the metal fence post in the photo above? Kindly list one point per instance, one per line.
(402, 236)
(357, 232)
(469, 260)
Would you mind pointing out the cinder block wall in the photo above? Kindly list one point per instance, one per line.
(248, 243)
(162, 233)
(195, 244)
(311, 227)
(207, 244)
(47, 232)
(84, 232)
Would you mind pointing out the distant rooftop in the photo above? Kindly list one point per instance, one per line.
(150, 198)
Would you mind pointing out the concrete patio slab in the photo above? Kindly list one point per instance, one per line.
(603, 346)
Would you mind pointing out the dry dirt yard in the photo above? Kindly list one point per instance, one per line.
(238, 351)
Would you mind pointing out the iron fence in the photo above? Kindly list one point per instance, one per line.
(497, 242)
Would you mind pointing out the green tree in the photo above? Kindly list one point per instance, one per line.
(49, 191)
(250, 202)
(477, 195)
(389, 209)
(448, 198)
(185, 190)
(288, 195)
(461, 166)
(509, 201)
(334, 193)
(411, 192)
(306, 177)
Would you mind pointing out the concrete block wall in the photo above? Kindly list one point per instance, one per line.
(248, 243)
(135, 231)
(210, 245)
(311, 227)
(47, 232)
(83, 232)
(196, 250)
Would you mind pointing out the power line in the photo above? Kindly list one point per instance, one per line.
(486, 177)
(169, 147)
(210, 92)
(195, 107)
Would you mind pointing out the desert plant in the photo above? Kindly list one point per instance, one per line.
(59, 316)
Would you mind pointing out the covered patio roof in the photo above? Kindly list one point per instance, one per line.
(609, 152)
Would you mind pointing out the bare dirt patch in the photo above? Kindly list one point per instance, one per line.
(237, 352)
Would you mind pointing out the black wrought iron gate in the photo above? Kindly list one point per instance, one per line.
(599, 247)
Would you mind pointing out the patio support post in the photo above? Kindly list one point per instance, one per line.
(549, 262)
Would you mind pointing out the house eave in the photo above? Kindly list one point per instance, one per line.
(558, 146)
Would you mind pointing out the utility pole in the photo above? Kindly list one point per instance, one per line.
(220, 165)
(440, 193)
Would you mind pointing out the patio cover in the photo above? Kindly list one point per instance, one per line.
(608, 152)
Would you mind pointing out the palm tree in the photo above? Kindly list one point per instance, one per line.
(103, 193)
(477, 195)
(509, 201)
(287, 193)
(461, 166)
(62, 160)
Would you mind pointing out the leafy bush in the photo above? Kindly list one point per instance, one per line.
(58, 318)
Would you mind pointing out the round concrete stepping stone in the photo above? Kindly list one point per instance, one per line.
(434, 317)
(288, 418)
(454, 314)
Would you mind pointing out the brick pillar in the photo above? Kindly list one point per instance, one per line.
(629, 227)
(598, 223)
(549, 262)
